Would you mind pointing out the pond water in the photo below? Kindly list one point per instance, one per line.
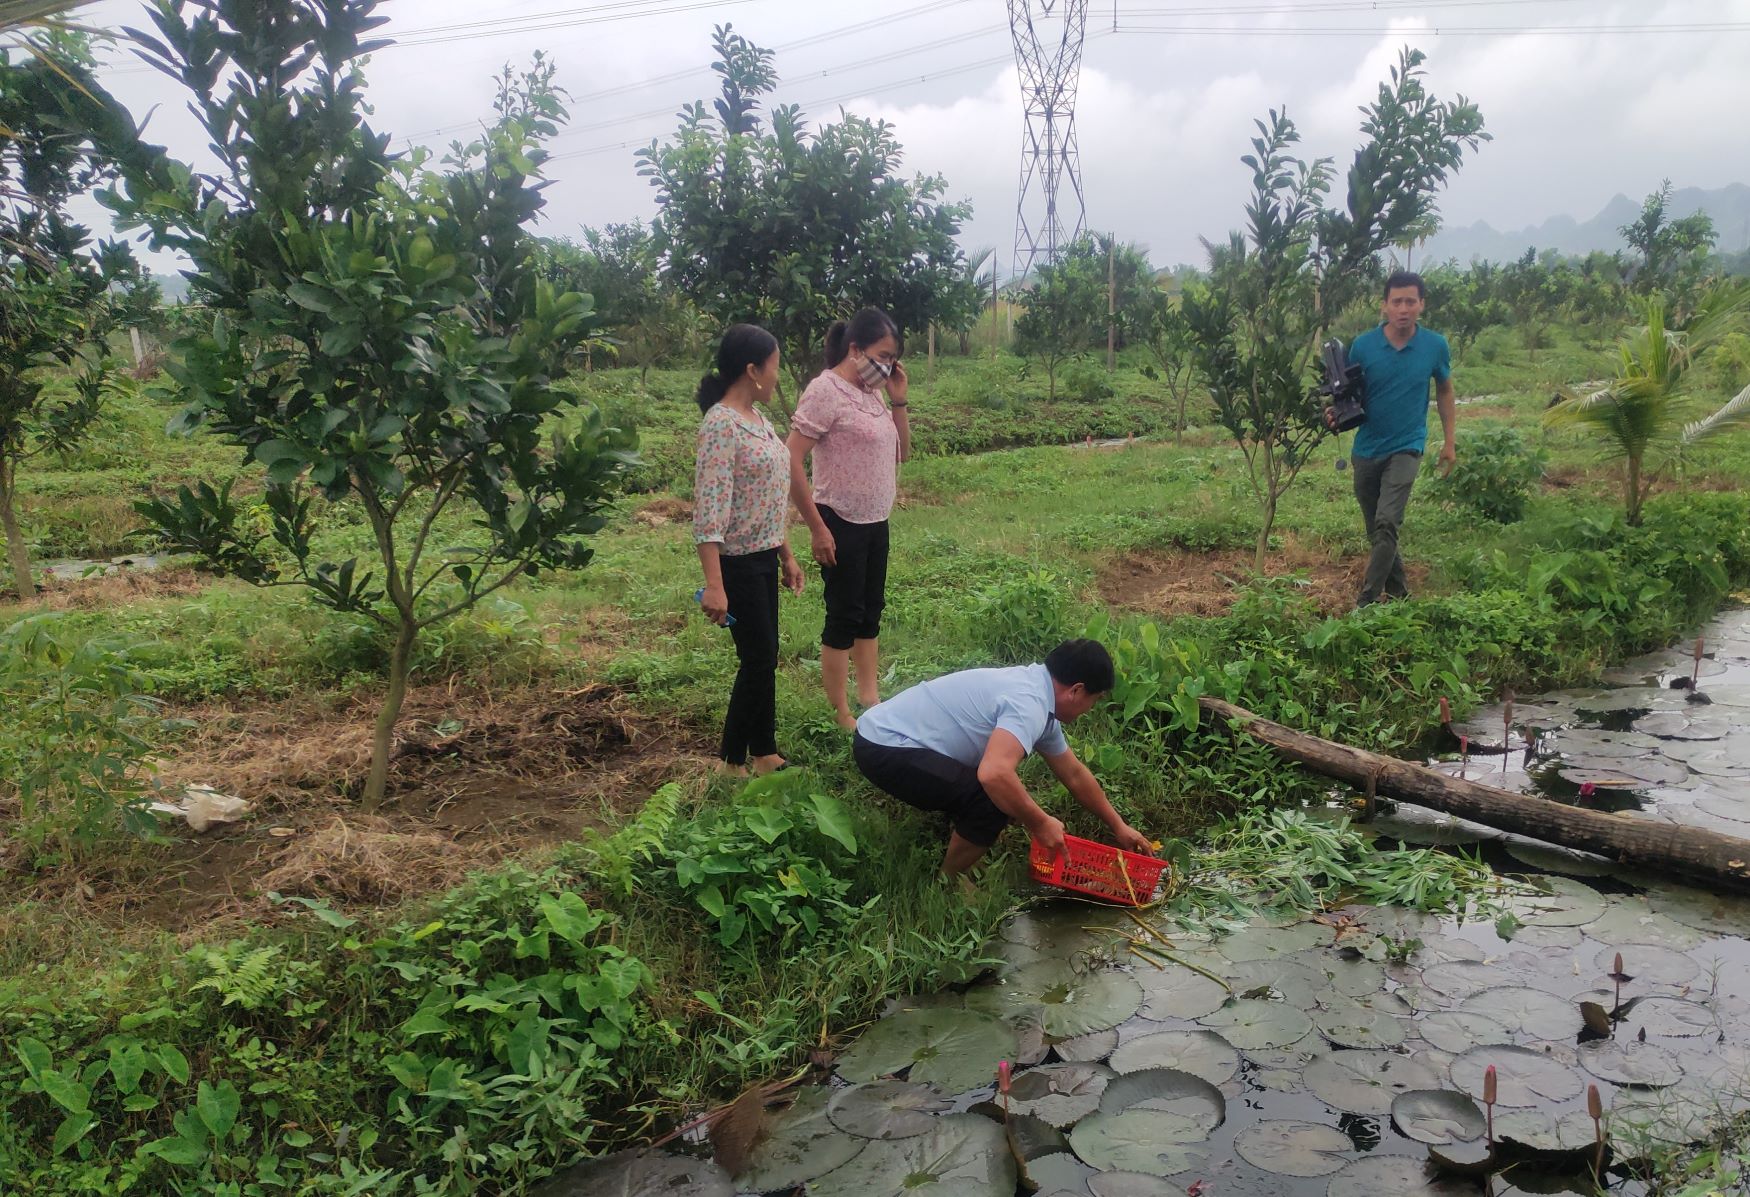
(1344, 1054)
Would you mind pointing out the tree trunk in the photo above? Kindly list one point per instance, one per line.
(1633, 497)
(1051, 377)
(383, 740)
(1264, 532)
(138, 345)
(16, 550)
(1690, 854)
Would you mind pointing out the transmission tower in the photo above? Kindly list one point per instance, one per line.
(1048, 52)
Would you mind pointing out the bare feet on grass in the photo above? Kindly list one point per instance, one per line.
(762, 765)
(846, 720)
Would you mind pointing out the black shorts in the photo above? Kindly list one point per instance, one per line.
(926, 779)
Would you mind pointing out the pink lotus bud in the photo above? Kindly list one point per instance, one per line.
(1445, 711)
(1489, 1085)
(1594, 1103)
(1587, 789)
(1003, 1077)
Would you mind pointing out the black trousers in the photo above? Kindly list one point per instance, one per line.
(856, 588)
(750, 582)
(928, 780)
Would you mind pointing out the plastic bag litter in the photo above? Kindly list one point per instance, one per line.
(203, 807)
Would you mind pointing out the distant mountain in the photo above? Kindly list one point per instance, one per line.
(1729, 206)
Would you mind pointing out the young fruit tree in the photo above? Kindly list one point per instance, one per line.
(792, 228)
(380, 340)
(55, 308)
(1275, 289)
(1067, 307)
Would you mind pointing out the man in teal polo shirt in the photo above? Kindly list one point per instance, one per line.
(1398, 359)
(955, 745)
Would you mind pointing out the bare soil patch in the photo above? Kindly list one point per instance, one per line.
(659, 513)
(476, 777)
(1179, 582)
(119, 588)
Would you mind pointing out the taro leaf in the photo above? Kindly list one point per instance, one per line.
(1073, 1002)
(1089, 1048)
(1297, 981)
(1262, 942)
(886, 1109)
(1059, 1093)
(1200, 1053)
(1644, 1064)
(1366, 1082)
(1461, 978)
(799, 1145)
(1629, 920)
(961, 1155)
(1526, 1011)
(636, 1174)
(1437, 1116)
(1524, 1077)
(954, 1050)
(1352, 1024)
(1666, 1016)
(1157, 1142)
(1570, 904)
(1130, 1184)
(1650, 963)
(1396, 1176)
(1675, 725)
(1541, 1131)
(1251, 1024)
(1458, 1030)
(1550, 859)
(1717, 914)
(1293, 1148)
(1179, 1093)
(1175, 992)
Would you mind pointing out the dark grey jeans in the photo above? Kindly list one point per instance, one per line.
(1382, 485)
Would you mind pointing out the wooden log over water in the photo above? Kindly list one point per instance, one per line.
(1692, 855)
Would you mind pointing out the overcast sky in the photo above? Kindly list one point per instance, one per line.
(1585, 98)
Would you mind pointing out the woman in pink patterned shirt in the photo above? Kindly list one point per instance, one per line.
(858, 441)
(739, 490)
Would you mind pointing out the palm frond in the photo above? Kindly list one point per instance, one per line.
(1735, 412)
(14, 13)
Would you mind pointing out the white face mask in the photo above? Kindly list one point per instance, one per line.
(872, 374)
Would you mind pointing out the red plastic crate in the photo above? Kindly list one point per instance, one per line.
(1099, 870)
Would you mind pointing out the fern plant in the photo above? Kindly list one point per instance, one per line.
(241, 976)
(614, 859)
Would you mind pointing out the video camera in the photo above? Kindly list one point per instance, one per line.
(1344, 389)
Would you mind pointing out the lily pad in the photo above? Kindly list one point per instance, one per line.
(954, 1050)
(1720, 806)
(1716, 914)
(1411, 825)
(1396, 1176)
(639, 1174)
(886, 1109)
(1089, 1048)
(1250, 1024)
(1662, 1118)
(1457, 1031)
(1551, 859)
(1462, 978)
(1073, 1001)
(1294, 1148)
(1130, 1184)
(1674, 725)
(1605, 774)
(1058, 1173)
(1523, 1077)
(1541, 1131)
(799, 1144)
(1568, 904)
(1349, 1023)
(1189, 1097)
(1580, 742)
(1633, 1063)
(1350, 975)
(1175, 992)
(1526, 1011)
(1157, 1142)
(1626, 698)
(961, 1155)
(1366, 1082)
(1059, 1093)
(1437, 1116)
(1629, 920)
(1274, 943)
(1295, 980)
(1672, 1018)
(1200, 1053)
(1649, 963)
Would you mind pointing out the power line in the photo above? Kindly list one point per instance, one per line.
(1437, 30)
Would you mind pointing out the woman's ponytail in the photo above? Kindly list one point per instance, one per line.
(712, 388)
(743, 345)
(838, 343)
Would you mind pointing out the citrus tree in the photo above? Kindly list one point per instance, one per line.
(379, 339)
(1274, 290)
(1649, 415)
(1066, 306)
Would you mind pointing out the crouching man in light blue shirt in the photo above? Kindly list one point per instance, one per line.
(954, 745)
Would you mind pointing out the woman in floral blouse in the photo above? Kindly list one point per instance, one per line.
(858, 440)
(739, 491)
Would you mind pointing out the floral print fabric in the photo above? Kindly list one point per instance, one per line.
(856, 455)
(741, 483)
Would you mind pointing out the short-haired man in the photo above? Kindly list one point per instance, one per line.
(1397, 359)
(954, 744)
